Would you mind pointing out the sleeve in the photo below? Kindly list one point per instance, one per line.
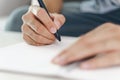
(117, 2)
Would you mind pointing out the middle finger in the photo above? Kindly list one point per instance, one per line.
(36, 37)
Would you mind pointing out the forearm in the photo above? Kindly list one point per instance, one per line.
(54, 6)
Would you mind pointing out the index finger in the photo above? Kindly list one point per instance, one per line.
(42, 15)
(79, 52)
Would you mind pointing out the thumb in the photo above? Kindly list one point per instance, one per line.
(58, 19)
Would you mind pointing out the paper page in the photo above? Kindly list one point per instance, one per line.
(31, 59)
(73, 71)
(37, 60)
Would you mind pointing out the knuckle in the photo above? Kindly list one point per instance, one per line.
(62, 16)
(62, 19)
(23, 17)
(107, 24)
(27, 17)
(24, 27)
(32, 21)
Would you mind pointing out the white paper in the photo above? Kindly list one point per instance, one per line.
(37, 60)
(31, 59)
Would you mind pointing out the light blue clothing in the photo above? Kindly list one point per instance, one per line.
(99, 6)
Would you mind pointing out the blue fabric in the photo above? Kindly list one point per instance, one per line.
(81, 23)
(14, 22)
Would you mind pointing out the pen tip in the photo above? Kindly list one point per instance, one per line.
(59, 38)
(57, 35)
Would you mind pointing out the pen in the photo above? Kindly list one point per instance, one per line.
(41, 3)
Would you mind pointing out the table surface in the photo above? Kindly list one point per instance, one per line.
(11, 38)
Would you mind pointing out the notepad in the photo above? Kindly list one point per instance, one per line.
(29, 59)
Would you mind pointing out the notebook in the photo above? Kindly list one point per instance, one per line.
(29, 59)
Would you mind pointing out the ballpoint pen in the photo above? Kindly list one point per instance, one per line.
(41, 3)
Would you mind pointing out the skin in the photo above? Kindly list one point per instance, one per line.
(53, 7)
(38, 28)
(103, 42)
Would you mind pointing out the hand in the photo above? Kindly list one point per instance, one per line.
(38, 28)
(103, 43)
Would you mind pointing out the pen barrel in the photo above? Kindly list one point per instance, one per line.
(43, 6)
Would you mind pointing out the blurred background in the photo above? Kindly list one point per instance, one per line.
(7, 6)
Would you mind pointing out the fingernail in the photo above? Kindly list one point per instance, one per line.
(57, 24)
(60, 60)
(85, 66)
(53, 30)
